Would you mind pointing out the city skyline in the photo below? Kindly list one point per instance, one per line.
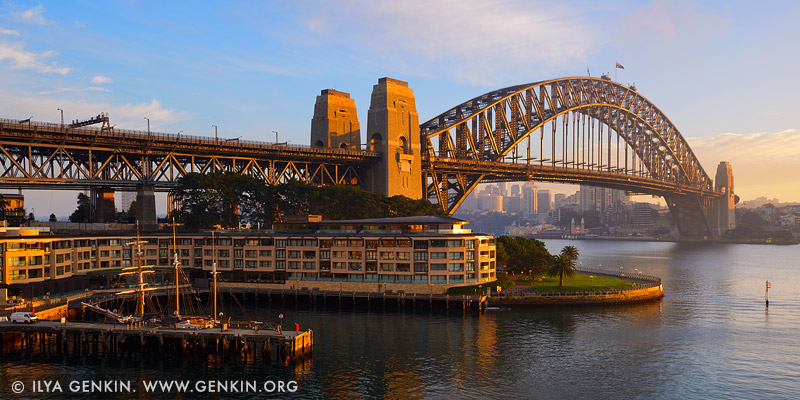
(255, 68)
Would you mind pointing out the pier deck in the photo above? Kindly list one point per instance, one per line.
(139, 337)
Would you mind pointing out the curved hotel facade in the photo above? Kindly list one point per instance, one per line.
(413, 254)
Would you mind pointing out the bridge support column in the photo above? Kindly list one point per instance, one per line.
(393, 130)
(722, 212)
(146, 208)
(103, 199)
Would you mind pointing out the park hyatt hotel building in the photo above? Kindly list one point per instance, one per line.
(424, 254)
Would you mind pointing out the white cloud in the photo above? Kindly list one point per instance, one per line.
(33, 15)
(764, 164)
(87, 89)
(666, 23)
(477, 41)
(4, 31)
(101, 80)
(20, 59)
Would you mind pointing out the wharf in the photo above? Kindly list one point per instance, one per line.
(103, 338)
(367, 298)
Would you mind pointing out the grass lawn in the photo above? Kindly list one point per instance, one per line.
(580, 282)
(502, 281)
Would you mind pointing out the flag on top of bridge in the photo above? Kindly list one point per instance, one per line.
(620, 66)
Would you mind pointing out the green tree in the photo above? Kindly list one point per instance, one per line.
(82, 213)
(563, 264)
(520, 254)
(53, 218)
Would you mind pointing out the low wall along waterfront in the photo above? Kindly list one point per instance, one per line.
(648, 288)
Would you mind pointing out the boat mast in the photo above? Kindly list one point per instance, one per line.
(177, 270)
(140, 302)
(214, 273)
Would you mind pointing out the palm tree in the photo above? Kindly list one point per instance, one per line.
(563, 264)
(571, 252)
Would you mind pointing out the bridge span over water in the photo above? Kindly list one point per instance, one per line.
(578, 130)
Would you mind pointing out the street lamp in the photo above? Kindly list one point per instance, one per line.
(216, 137)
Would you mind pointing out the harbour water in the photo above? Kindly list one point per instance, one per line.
(711, 336)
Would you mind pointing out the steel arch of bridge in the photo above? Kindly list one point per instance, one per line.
(578, 120)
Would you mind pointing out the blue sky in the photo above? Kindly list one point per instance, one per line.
(723, 71)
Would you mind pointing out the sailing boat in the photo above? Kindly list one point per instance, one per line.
(139, 291)
(180, 321)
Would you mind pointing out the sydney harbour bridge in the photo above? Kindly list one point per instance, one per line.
(579, 130)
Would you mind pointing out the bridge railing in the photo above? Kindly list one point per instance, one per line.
(175, 138)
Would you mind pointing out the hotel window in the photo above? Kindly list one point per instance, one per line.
(372, 244)
(294, 253)
(456, 267)
(470, 244)
(371, 255)
(387, 267)
(354, 255)
(438, 243)
(340, 242)
(295, 242)
(325, 254)
(438, 255)
(403, 255)
(224, 253)
(252, 242)
(372, 266)
(420, 244)
(420, 278)
(339, 254)
(265, 253)
(280, 264)
(267, 242)
(250, 253)
(456, 278)
(339, 265)
(280, 243)
(354, 266)
(438, 267)
(309, 265)
(456, 256)
(223, 263)
(280, 253)
(251, 264)
(403, 267)
(356, 242)
(325, 265)
(420, 267)
(455, 243)
(387, 255)
(238, 263)
(403, 242)
(325, 243)
(470, 255)
(238, 253)
(438, 278)
(387, 243)
(470, 266)
(265, 264)
(309, 254)
(309, 242)
(294, 264)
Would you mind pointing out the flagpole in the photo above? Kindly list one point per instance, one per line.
(615, 73)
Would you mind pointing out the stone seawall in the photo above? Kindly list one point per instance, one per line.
(590, 298)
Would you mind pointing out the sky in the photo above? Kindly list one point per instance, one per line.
(724, 72)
